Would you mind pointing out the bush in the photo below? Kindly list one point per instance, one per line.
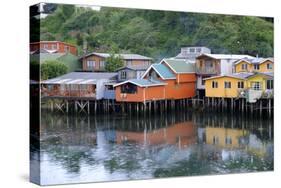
(113, 62)
(51, 69)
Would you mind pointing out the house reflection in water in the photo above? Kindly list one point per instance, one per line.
(180, 134)
(226, 137)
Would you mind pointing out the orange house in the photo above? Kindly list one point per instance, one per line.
(53, 47)
(169, 79)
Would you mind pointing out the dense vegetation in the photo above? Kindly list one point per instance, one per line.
(157, 33)
(52, 69)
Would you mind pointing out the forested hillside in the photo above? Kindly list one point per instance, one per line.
(157, 34)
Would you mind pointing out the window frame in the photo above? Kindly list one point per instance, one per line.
(270, 84)
(215, 84)
(256, 67)
(240, 85)
(255, 84)
(227, 85)
(269, 66)
(123, 74)
(244, 66)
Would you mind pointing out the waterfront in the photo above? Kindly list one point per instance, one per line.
(77, 149)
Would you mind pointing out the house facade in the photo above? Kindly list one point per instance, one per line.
(96, 61)
(237, 85)
(169, 79)
(208, 65)
(131, 72)
(254, 65)
(53, 47)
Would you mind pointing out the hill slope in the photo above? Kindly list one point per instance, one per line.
(157, 33)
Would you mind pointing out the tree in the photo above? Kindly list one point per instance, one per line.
(51, 69)
(113, 62)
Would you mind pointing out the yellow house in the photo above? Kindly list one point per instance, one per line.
(260, 81)
(226, 86)
(230, 86)
(254, 65)
(225, 137)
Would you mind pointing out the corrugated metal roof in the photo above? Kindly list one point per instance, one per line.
(180, 66)
(163, 71)
(80, 78)
(123, 56)
(142, 82)
(135, 67)
(228, 56)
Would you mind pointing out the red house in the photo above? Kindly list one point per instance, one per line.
(53, 47)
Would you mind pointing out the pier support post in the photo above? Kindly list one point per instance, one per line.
(88, 105)
(66, 106)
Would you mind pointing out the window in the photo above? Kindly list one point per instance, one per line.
(269, 84)
(256, 85)
(269, 66)
(198, 50)
(129, 88)
(45, 46)
(214, 84)
(191, 50)
(240, 85)
(228, 140)
(123, 74)
(102, 64)
(215, 140)
(54, 46)
(256, 67)
(227, 84)
(244, 66)
(90, 64)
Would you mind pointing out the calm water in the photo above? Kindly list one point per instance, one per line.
(91, 149)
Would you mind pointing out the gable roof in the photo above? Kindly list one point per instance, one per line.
(142, 83)
(242, 75)
(80, 78)
(123, 56)
(269, 74)
(163, 71)
(254, 60)
(179, 65)
(227, 56)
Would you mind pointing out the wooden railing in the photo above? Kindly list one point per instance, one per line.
(68, 93)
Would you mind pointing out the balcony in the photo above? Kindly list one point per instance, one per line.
(207, 70)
